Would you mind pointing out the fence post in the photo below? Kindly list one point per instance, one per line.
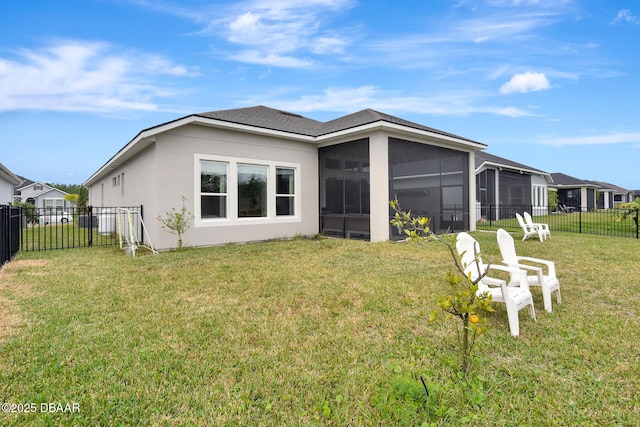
(637, 221)
(141, 234)
(580, 220)
(90, 212)
(490, 215)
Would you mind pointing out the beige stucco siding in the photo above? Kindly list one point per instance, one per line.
(177, 153)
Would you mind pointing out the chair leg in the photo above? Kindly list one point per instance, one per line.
(546, 297)
(514, 322)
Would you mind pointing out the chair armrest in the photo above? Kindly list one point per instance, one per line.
(516, 274)
(551, 266)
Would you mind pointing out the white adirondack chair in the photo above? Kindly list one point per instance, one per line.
(543, 229)
(515, 294)
(527, 229)
(549, 283)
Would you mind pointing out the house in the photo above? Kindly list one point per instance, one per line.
(259, 173)
(41, 195)
(507, 185)
(7, 181)
(610, 196)
(574, 192)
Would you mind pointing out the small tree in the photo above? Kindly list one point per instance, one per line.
(463, 302)
(630, 210)
(177, 222)
(72, 198)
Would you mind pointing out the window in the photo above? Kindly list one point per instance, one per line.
(53, 203)
(213, 189)
(285, 191)
(234, 191)
(252, 191)
(539, 195)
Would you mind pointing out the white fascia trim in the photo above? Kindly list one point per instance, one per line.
(386, 126)
(512, 168)
(149, 134)
(9, 176)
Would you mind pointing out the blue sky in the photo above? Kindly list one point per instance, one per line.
(549, 83)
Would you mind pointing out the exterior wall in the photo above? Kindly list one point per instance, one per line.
(134, 183)
(177, 175)
(540, 201)
(6, 192)
(379, 177)
(588, 199)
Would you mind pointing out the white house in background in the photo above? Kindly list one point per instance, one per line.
(259, 173)
(610, 195)
(42, 195)
(574, 192)
(7, 181)
(507, 186)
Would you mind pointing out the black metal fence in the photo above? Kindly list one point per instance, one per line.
(9, 233)
(608, 222)
(45, 229)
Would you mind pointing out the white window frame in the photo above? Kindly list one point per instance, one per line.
(56, 203)
(539, 196)
(232, 192)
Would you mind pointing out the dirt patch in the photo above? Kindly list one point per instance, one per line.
(9, 318)
(9, 312)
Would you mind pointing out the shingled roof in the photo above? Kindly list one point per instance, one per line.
(270, 120)
(563, 180)
(484, 157)
(273, 119)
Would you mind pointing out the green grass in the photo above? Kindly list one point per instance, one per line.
(312, 332)
(61, 236)
(604, 222)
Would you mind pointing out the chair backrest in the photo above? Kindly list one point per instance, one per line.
(520, 220)
(469, 251)
(527, 218)
(507, 248)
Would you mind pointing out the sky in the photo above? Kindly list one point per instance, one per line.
(552, 84)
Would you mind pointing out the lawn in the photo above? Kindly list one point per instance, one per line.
(603, 222)
(311, 332)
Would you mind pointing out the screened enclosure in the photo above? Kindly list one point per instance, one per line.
(344, 190)
(430, 181)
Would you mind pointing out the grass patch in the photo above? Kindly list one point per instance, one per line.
(603, 222)
(312, 332)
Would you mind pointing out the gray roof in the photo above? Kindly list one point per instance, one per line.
(564, 180)
(273, 119)
(606, 185)
(484, 157)
(267, 118)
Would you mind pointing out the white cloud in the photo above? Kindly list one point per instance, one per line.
(625, 16)
(348, 100)
(272, 32)
(525, 82)
(83, 76)
(270, 59)
(607, 139)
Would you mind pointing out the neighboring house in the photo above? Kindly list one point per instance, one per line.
(605, 198)
(574, 192)
(41, 195)
(259, 173)
(505, 185)
(610, 196)
(7, 181)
